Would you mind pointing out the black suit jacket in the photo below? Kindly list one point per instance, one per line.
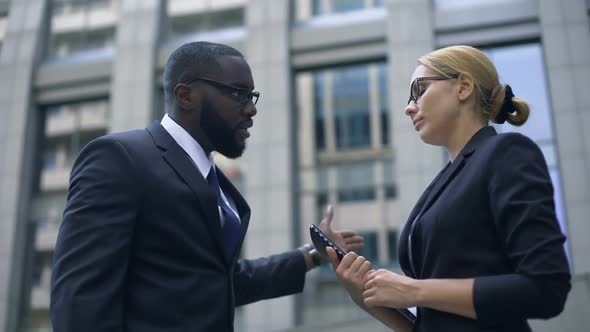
(490, 215)
(140, 246)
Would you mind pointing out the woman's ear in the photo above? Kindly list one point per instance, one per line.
(466, 86)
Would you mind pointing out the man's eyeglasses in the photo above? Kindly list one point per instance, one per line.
(416, 89)
(243, 95)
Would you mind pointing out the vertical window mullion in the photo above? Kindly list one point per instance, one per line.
(329, 119)
(374, 109)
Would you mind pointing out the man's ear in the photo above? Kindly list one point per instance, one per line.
(185, 98)
(466, 86)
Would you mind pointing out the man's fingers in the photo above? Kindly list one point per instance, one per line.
(355, 239)
(347, 233)
(328, 215)
(355, 242)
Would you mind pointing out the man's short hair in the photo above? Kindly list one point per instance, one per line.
(190, 60)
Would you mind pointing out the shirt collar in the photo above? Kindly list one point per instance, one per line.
(189, 145)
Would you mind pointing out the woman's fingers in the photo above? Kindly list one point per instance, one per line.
(345, 263)
(333, 258)
(365, 268)
(369, 292)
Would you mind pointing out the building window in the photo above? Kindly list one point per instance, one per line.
(61, 7)
(189, 17)
(322, 7)
(82, 26)
(383, 102)
(370, 250)
(351, 107)
(50, 159)
(389, 176)
(356, 182)
(462, 4)
(69, 127)
(69, 43)
(321, 203)
(318, 102)
(342, 107)
(392, 238)
(305, 9)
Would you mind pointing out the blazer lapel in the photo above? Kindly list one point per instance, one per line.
(418, 207)
(456, 166)
(241, 204)
(185, 168)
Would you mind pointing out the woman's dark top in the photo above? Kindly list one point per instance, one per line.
(490, 215)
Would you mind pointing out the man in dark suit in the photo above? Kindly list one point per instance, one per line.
(152, 229)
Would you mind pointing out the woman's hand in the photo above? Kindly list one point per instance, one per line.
(351, 272)
(389, 289)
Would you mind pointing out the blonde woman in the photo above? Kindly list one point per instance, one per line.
(482, 249)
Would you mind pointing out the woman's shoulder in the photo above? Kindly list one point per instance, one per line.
(505, 142)
(511, 152)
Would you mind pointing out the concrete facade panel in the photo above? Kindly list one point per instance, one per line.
(572, 175)
(578, 36)
(581, 74)
(579, 228)
(558, 55)
(574, 11)
(568, 133)
(551, 11)
(562, 89)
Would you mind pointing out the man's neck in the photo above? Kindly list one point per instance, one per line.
(192, 127)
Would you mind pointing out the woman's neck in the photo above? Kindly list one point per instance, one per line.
(463, 132)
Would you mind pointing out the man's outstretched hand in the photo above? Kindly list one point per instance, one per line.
(347, 240)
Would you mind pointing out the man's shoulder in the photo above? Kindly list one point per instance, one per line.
(135, 143)
(129, 139)
(127, 136)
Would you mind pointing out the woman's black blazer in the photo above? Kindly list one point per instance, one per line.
(490, 215)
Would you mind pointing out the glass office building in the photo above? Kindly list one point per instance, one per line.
(330, 129)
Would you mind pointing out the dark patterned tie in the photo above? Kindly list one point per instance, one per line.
(231, 227)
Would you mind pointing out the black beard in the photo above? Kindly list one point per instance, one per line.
(222, 138)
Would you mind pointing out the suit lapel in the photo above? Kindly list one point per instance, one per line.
(451, 172)
(241, 204)
(441, 184)
(185, 168)
(418, 207)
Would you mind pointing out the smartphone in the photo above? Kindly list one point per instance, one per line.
(321, 241)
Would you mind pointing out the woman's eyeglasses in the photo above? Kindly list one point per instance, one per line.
(416, 89)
